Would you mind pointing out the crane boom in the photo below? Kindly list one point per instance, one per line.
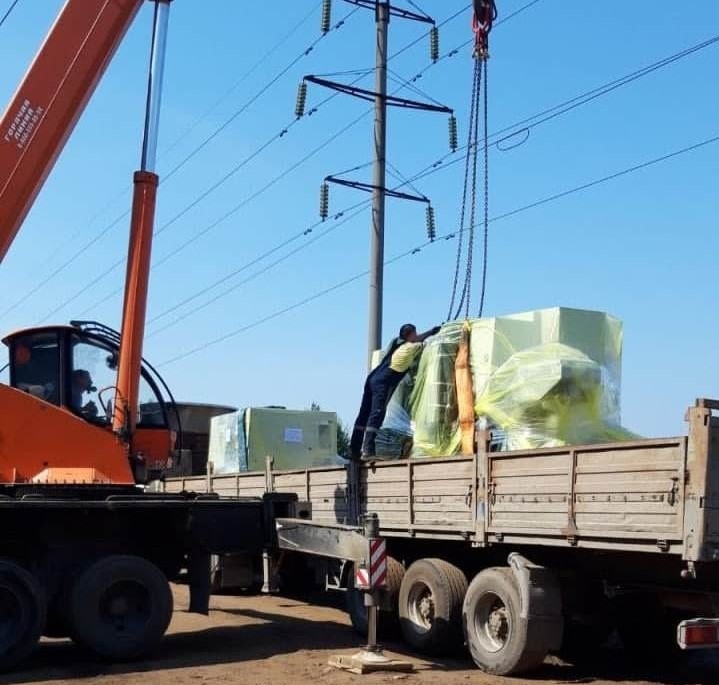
(33, 132)
(52, 96)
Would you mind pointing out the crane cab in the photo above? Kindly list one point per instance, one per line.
(59, 403)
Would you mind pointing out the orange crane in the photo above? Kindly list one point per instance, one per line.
(47, 437)
(85, 551)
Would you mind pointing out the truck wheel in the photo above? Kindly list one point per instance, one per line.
(120, 607)
(22, 614)
(388, 619)
(494, 630)
(430, 605)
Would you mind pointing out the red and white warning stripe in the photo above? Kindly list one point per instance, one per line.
(378, 563)
(362, 579)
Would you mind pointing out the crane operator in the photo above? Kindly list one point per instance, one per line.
(380, 385)
(81, 384)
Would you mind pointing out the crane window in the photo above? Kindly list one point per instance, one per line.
(92, 380)
(35, 362)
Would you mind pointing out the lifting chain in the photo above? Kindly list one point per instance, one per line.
(486, 194)
(460, 301)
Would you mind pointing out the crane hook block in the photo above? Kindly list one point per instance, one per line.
(324, 200)
(326, 15)
(485, 14)
(301, 100)
(431, 226)
(434, 44)
(453, 135)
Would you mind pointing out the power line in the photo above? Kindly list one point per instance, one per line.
(498, 136)
(527, 124)
(427, 33)
(584, 98)
(167, 176)
(606, 179)
(448, 236)
(249, 73)
(253, 99)
(507, 133)
(186, 244)
(64, 265)
(196, 236)
(8, 12)
(355, 210)
(259, 273)
(171, 147)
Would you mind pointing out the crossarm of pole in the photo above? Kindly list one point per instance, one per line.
(370, 96)
(370, 187)
(394, 11)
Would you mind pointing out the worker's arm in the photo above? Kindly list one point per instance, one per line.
(429, 333)
(406, 353)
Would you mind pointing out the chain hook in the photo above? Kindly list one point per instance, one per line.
(485, 12)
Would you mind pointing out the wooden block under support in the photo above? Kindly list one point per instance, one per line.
(369, 662)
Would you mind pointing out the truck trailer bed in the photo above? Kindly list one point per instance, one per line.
(657, 495)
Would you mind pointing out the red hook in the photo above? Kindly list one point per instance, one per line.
(485, 12)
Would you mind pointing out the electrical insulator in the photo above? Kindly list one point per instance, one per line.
(301, 100)
(434, 44)
(326, 15)
(453, 136)
(431, 226)
(324, 200)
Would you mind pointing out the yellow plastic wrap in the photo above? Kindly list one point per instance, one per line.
(433, 402)
(551, 395)
(544, 378)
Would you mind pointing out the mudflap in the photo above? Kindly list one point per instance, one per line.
(541, 598)
(198, 572)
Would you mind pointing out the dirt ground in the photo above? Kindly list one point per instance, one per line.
(278, 641)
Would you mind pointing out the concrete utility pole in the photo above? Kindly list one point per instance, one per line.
(383, 9)
(376, 281)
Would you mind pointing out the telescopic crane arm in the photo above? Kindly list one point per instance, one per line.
(52, 96)
(35, 128)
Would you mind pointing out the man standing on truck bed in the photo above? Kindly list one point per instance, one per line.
(380, 385)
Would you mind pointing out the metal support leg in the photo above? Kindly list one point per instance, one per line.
(372, 645)
(372, 657)
(269, 573)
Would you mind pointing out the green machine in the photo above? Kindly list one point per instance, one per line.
(242, 440)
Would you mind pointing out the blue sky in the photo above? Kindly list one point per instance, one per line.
(642, 247)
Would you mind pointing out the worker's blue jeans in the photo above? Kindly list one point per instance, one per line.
(378, 390)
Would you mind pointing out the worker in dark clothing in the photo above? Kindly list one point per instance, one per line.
(81, 384)
(380, 385)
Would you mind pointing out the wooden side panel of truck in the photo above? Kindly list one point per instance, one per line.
(644, 495)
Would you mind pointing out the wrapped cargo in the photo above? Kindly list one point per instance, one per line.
(596, 334)
(433, 403)
(551, 395)
(541, 378)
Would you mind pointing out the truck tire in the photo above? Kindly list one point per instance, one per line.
(494, 630)
(430, 606)
(120, 607)
(388, 619)
(22, 614)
